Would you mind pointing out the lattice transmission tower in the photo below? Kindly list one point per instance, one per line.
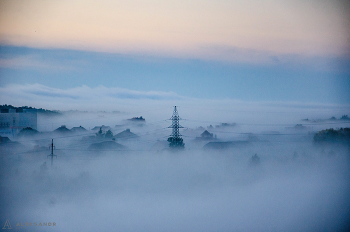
(175, 140)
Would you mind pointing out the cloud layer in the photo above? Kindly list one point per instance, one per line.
(79, 94)
(156, 105)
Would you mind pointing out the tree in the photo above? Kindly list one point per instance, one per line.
(109, 134)
(99, 133)
(344, 117)
(176, 142)
(331, 135)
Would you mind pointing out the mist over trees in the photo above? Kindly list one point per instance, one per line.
(120, 176)
(341, 135)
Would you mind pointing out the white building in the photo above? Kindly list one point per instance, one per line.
(14, 120)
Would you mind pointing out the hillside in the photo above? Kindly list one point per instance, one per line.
(39, 111)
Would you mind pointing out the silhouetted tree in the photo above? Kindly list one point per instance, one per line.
(99, 133)
(331, 135)
(176, 142)
(109, 134)
(344, 117)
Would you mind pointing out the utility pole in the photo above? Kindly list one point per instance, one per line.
(175, 140)
(52, 155)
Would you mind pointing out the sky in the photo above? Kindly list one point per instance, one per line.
(271, 50)
(263, 66)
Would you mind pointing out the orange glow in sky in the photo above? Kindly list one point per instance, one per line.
(197, 29)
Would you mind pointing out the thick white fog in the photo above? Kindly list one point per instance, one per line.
(292, 184)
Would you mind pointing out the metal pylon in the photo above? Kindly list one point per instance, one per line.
(175, 139)
(175, 124)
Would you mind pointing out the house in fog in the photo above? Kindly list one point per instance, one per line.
(79, 129)
(205, 136)
(14, 120)
(126, 134)
(62, 129)
(103, 128)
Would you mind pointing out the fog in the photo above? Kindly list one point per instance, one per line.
(295, 185)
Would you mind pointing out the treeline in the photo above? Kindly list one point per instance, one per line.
(331, 136)
(20, 109)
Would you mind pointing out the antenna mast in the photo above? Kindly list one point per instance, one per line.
(52, 155)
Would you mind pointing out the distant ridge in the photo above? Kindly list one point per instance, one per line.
(137, 119)
(21, 108)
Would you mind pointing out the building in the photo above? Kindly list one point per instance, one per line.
(206, 135)
(14, 120)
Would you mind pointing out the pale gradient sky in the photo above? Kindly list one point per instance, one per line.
(269, 50)
(195, 29)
